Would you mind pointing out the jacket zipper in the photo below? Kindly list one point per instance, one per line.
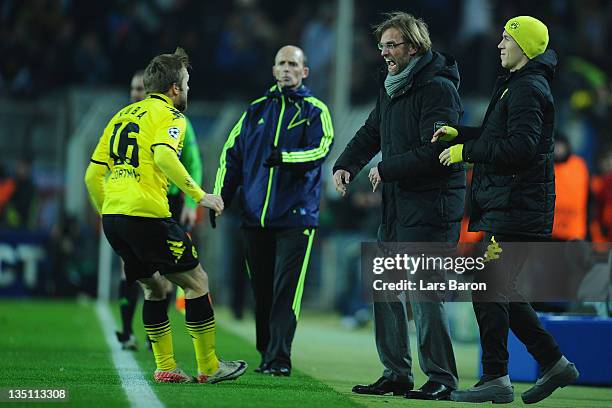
(271, 176)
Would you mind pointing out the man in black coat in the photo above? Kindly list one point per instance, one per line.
(513, 200)
(422, 200)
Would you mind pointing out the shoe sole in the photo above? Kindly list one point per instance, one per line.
(560, 380)
(176, 382)
(424, 398)
(231, 376)
(184, 381)
(499, 398)
(395, 393)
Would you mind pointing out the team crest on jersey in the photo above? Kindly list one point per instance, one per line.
(174, 132)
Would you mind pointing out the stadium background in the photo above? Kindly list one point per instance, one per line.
(66, 66)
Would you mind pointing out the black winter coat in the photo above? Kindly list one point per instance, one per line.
(422, 200)
(513, 188)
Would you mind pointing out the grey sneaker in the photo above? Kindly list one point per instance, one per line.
(228, 370)
(499, 391)
(561, 374)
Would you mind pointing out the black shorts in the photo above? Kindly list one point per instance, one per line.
(147, 245)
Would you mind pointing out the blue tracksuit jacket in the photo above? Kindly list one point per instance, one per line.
(288, 195)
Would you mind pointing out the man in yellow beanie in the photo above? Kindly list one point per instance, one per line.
(529, 33)
(513, 200)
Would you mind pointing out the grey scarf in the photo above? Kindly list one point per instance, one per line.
(393, 83)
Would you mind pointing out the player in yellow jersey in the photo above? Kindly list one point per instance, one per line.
(127, 179)
(182, 210)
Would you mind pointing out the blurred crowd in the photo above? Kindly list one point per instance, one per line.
(51, 43)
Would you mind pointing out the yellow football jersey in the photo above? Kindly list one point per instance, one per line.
(135, 185)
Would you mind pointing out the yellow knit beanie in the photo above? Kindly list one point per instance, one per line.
(530, 34)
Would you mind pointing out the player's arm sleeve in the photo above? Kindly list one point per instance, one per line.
(192, 160)
(465, 133)
(94, 181)
(167, 160)
(364, 145)
(440, 104)
(229, 173)
(97, 169)
(319, 139)
(524, 124)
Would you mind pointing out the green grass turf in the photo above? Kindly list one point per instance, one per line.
(57, 345)
(251, 389)
(60, 345)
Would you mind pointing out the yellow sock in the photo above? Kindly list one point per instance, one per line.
(203, 336)
(161, 340)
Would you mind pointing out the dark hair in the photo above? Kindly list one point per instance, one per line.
(165, 70)
(414, 30)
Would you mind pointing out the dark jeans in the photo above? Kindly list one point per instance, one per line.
(496, 315)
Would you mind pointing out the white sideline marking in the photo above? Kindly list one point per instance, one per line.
(137, 389)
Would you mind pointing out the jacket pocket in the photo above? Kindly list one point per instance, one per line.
(534, 197)
(497, 192)
(416, 208)
(494, 198)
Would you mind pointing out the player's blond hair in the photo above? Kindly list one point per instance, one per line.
(165, 70)
(414, 30)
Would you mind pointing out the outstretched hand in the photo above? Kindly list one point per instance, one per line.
(374, 177)
(341, 180)
(445, 133)
(214, 202)
(188, 217)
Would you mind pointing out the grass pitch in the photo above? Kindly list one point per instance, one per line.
(47, 344)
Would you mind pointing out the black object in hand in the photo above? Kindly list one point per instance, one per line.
(213, 218)
(274, 159)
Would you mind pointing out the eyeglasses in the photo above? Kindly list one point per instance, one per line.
(390, 45)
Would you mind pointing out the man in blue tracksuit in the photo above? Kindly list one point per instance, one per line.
(274, 153)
